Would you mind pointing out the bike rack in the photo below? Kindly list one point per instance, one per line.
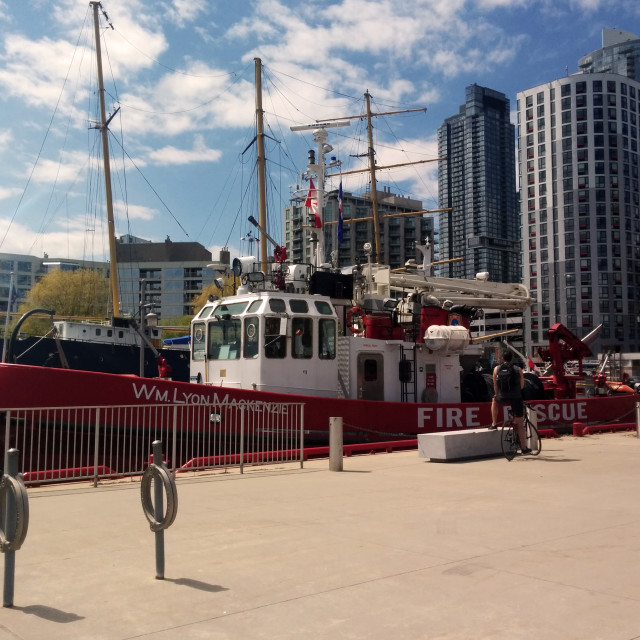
(14, 521)
(153, 509)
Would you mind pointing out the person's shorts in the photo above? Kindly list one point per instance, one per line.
(517, 406)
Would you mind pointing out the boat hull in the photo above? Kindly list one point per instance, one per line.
(364, 420)
(99, 357)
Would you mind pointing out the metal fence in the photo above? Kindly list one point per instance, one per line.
(73, 443)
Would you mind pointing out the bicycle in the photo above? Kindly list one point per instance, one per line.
(510, 440)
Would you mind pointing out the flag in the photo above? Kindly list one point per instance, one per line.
(13, 297)
(312, 203)
(340, 219)
(532, 364)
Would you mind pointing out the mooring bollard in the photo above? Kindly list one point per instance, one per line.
(335, 444)
(14, 514)
(159, 520)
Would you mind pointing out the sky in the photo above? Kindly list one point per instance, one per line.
(180, 84)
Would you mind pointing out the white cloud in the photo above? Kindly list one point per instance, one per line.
(6, 137)
(171, 155)
(184, 11)
(128, 211)
(9, 192)
(68, 169)
(503, 4)
(71, 238)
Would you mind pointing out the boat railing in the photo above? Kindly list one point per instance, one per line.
(62, 444)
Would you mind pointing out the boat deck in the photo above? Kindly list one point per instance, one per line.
(394, 546)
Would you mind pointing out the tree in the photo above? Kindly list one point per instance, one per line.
(229, 288)
(82, 293)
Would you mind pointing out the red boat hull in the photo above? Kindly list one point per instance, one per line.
(364, 420)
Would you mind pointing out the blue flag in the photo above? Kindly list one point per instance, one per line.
(340, 237)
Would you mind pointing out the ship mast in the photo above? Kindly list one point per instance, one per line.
(318, 168)
(372, 173)
(372, 163)
(103, 126)
(262, 188)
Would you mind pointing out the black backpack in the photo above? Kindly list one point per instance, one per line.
(506, 379)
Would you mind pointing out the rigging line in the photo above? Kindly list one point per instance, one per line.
(151, 186)
(182, 73)
(46, 135)
(242, 200)
(269, 82)
(311, 84)
(45, 224)
(405, 152)
(269, 78)
(222, 209)
(173, 113)
(122, 177)
(338, 93)
(228, 191)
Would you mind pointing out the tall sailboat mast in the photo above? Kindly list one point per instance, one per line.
(262, 183)
(103, 126)
(372, 173)
(372, 163)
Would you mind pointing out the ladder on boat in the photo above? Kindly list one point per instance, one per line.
(408, 374)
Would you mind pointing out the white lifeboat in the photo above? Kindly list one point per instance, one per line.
(446, 338)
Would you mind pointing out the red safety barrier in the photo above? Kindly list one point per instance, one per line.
(604, 428)
(59, 474)
(293, 455)
(377, 447)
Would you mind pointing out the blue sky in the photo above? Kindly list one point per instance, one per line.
(182, 73)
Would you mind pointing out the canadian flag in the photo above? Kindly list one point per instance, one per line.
(312, 203)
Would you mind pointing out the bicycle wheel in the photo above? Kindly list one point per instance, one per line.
(533, 438)
(509, 441)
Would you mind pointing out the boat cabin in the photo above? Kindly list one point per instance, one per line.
(267, 341)
(292, 343)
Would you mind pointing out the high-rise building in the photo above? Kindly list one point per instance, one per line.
(173, 274)
(400, 221)
(476, 181)
(580, 199)
(620, 54)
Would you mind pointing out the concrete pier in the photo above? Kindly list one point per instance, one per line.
(395, 547)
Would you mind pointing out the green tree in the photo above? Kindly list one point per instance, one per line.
(80, 294)
(231, 284)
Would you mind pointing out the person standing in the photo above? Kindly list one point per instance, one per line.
(508, 383)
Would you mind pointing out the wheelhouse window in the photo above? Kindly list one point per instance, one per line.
(302, 331)
(251, 337)
(277, 305)
(327, 339)
(323, 307)
(198, 342)
(275, 344)
(299, 306)
(235, 308)
(224, 338)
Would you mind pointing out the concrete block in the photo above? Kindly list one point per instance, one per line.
(446, 446)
